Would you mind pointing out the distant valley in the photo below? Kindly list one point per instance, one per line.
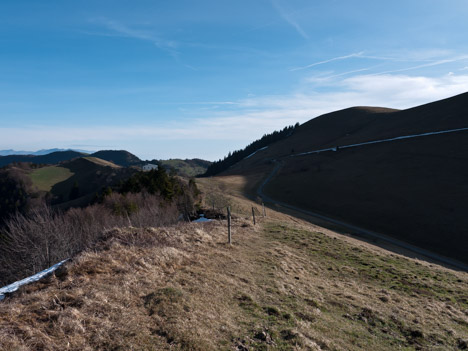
(67, 179)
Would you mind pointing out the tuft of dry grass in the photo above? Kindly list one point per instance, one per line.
(283, 284)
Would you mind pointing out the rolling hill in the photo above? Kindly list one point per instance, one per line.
(411, 189)
(186, 168)
(119, 157)
(52, 158)
(89, 176)
(76, 182)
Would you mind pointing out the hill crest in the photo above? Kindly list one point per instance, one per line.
(119, 157)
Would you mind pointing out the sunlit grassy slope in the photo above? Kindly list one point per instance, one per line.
(283, 284)
(102, 162)
(45, 178)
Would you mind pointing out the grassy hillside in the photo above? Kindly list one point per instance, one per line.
(411, 189)
(283, 285)
(46, 177)
(101, 162)
(186, 168)
(119, 157)
(90, 176)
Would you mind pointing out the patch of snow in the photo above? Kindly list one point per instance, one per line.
(36, 277)
(202, 219)
(253, 153)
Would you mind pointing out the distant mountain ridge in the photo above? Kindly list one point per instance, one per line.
(41, 152)
(119, 157)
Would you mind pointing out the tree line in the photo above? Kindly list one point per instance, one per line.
(238, 155)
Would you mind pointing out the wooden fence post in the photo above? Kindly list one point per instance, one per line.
(263, 206)
(229, 224)
(253, 215)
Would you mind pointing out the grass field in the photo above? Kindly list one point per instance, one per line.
(45, 178)
(283, 284)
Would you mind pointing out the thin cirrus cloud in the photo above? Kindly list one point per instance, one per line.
(288, 17)
(429, 62)
(339, 58)
(119, 29)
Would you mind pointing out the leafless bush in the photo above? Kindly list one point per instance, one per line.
(33, 243)
(30, 243)
(217, 201)
(142, 209)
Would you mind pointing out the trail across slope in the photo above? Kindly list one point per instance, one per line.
(335, 148)
(358, 230)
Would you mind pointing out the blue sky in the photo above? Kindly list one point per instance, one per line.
(167, 79)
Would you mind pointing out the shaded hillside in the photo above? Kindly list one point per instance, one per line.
(119, 157)
(361, 124)
(90, 176)
(16, 191)
(413, 189)
(186, 168)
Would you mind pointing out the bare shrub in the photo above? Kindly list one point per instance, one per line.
(142, 209)
(33, 242)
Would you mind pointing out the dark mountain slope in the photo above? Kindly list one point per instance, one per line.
(360, 124)
(413, 189)
(119, 157)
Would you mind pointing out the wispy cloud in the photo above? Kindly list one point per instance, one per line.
(323, 78)
(426, 57)
(119, 29)
(430, 64)
(289, 18)
(339, 58)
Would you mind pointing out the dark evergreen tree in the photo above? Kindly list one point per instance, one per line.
(74, 191)
(238, 155)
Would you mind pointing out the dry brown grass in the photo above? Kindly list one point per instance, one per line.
(284, 284)
(102, 162)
